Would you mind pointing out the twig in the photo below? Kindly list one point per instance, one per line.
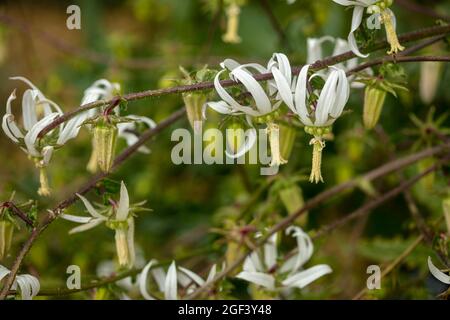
(17, 212)
(318, 65)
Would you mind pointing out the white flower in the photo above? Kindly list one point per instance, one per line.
(380, 11)
(263, 104)
(118, 217)
(167, 283)
(438, 274)
(37, 113)
(262, 268)
(27, 284)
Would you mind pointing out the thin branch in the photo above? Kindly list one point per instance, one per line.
(53, 214)
(318, 65)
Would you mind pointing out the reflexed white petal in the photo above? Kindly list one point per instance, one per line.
(438, 274)
(193, 276)
(301, 95)
(304, 245)
(29, 109)
(124, 203)
(130, 242)
(77, 219)
(47, 154)
(90, 225)
(220, 107)
(31, 136)
(270, 252)
(250, 139)
(303, 278)
(160, 277)
(3, 272)
(223, 94)
(72, 128)
(259, 278)
(90, 208)
(143, 280)
(261, 99)
(314, 46)
(284, 89)
(256, 261)
(170, 286)
(342, 94)
(326, 99)
(212, 273)
(356, 22)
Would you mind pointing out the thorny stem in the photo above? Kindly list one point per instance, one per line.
(318, 65)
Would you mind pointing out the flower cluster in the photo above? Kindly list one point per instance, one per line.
(27, 285)
(316, 107)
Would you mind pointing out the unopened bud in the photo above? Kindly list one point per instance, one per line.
(194, 104)
(105, 137)
(6, 234)
(373, 104)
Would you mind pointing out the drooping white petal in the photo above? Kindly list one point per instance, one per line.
(212, 273)
(160, 277)
(72, 128)
(262, 101)
(314, 48)
(342, 94)
(305, 247)
(143, 280)
(47, 155)
(250, 140)
(193, 276)
(94, 213)
(356, 22)
(170, 286)
(284, 89)
(303, 278)
(29, 109)
(124, 203)
(31, 136)
(438, 274)
(259, 278)
(326, 99)
(90, 225)
(300, 96)
(270, 252)
(77, 219)
(3, 272)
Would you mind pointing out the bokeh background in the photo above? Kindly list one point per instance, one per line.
(141, 44)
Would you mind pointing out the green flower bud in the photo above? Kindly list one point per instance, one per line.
(6, 234)
(292, 199)
(446, 207)
(105, 137)
(373, 104)
(194, 104)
